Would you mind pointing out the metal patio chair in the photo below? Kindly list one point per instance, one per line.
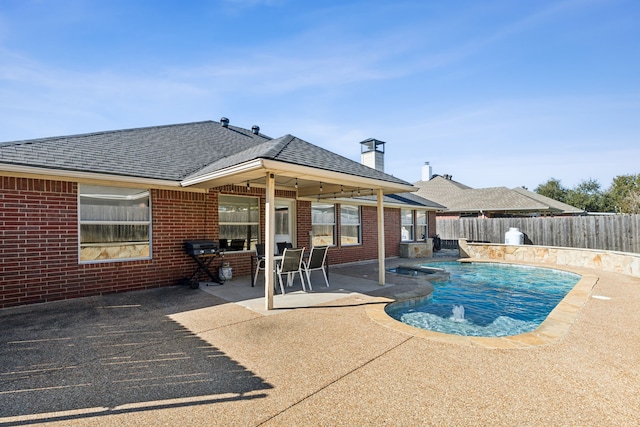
(290, 265)
(236, 245)
(282, 246)
(317, 261)
(260, 260)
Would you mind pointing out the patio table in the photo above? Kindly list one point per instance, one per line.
(276, 258)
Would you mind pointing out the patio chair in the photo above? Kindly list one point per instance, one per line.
(282, 246)
(317, 261)
(224, 244)
(236, 245)
(290, 265)
(260, 260)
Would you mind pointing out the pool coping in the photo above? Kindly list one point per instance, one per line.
(554, 327)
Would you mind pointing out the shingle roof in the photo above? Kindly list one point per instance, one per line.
(410, 199)
(565, 208)
(162, 152)
(293, 150)
(414, 199)
(175, 152)
(460, 198)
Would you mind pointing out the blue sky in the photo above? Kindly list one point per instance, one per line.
(494, 92)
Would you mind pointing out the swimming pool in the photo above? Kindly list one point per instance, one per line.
(486, 299)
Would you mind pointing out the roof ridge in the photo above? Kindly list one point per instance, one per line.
(278, 146)
(90, 134)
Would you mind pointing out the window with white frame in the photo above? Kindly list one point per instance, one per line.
(422, 225)
(114, 223)
(323, 224)
(239, 220)
(407, 225)
(350, 225)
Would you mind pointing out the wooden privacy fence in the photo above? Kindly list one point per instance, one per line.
(607, 232)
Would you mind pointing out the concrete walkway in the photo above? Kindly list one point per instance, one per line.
(177, 356)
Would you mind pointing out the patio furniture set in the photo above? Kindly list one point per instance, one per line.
(290, 261)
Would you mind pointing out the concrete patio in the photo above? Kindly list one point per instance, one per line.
(178, 356)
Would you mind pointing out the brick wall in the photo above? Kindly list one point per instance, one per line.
(39, 251)
(39, 236)
(368, 250)
(431, 224)
(38, 228)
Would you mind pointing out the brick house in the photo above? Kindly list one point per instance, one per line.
(109, 211)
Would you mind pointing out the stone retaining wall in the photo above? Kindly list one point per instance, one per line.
(618, 262)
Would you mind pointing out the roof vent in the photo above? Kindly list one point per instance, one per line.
(224, 122)
(255, 129)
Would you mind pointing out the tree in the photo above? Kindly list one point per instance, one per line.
(622, 197)
(625, 194)
(588, 196)
(552, 189)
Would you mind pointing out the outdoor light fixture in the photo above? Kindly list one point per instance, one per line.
(341, 190)
(296, 182)
(248, 185)
(321, 186)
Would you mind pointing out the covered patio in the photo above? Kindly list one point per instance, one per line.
(309, 172)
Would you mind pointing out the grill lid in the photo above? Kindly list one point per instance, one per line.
(201, 247)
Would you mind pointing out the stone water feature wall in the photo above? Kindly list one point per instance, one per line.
(417, 249)
(618, 262)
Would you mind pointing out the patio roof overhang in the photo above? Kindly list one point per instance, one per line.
(309, 182)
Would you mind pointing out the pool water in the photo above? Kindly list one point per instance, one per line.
(487, 299)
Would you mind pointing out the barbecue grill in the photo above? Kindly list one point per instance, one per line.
(203, 253)
(201, 247)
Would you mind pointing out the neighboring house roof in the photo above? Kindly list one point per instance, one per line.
(175, 152)
(458, 197)
(565, 208)
(441, 184)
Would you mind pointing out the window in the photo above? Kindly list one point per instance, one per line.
(407, 225)
(422, 225)
(239, 219)
(349, 225)
(323, 224)
(115, 223)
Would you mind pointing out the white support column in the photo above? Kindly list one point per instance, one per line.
(381, 257)
(269, 240)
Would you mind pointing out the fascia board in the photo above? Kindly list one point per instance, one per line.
(329, 177)
(360, 202)
(224, 173)
(84, 176)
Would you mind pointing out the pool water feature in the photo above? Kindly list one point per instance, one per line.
(421, 272)
(486, 299)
